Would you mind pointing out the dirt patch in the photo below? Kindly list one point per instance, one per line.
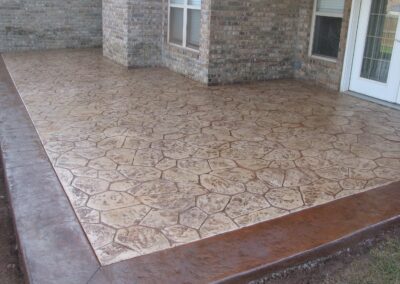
(374, 261)
(10, 272)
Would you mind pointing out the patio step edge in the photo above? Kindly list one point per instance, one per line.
(53, 247)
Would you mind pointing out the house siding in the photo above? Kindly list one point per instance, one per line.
(43, 24)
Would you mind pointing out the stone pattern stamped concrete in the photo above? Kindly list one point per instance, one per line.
(151, 160)
(52, 244)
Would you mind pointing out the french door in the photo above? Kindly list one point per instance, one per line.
(376, 62)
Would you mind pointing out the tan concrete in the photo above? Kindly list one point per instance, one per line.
(151, 160)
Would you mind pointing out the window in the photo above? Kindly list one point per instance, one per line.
(327, 23)
(184, 23)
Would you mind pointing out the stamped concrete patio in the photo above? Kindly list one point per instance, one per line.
(151, 160)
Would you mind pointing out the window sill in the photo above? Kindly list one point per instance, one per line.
(324, 58)
(184, 47)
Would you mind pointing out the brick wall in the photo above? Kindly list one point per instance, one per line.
(321, 72)
(193, 64)
(241, 40)
(267, 39)
(47, 24)
(136, 35)
(251, 40)
(115, 30)
(144, 32)
(133, 31)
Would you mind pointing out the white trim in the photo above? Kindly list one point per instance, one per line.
(185, 8)
(312, 33)
(311, 41)
(324, 58)
(397, 43)
(169, 16)
(350, 45)
(184, 38)
(388, 90)
(183, 47)
(372, 99)
(398, 95)
(325, 14)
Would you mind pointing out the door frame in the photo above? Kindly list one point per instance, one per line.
(350, 47)
(398, 96)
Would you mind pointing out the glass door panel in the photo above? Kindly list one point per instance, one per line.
(376, 63)
(380, 41)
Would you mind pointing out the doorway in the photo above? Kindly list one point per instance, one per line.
(375, 69)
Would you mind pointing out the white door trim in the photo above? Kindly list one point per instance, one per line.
(386, 89)
(350, 45)
(398, 43)
(398, 95)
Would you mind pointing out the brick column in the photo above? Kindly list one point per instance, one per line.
(132, 32)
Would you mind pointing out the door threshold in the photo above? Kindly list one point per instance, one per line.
(373, 100)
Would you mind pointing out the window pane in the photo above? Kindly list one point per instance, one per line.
(196, 3)
(178, 2)
(330, 6)
(379, 42)
(327, 36)
(193, 28)
(176, 25)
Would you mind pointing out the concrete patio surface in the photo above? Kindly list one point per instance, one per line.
(151, 160)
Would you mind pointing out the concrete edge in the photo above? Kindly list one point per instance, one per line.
(313, 254)
(53, 246)
(252, 252)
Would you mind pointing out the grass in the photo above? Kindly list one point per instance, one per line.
(380, 266)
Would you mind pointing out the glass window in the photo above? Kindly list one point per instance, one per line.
(178, 2)
(196, 3)
(176, 25)
(193, 28)
(380, 41)
(328, 16)
(330, 6)
(327, 36)
(185, 23)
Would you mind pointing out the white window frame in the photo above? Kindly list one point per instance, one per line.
(185, 8)
(314, 17)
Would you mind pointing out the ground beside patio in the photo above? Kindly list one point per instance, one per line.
(10, 272)
(151, 160)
